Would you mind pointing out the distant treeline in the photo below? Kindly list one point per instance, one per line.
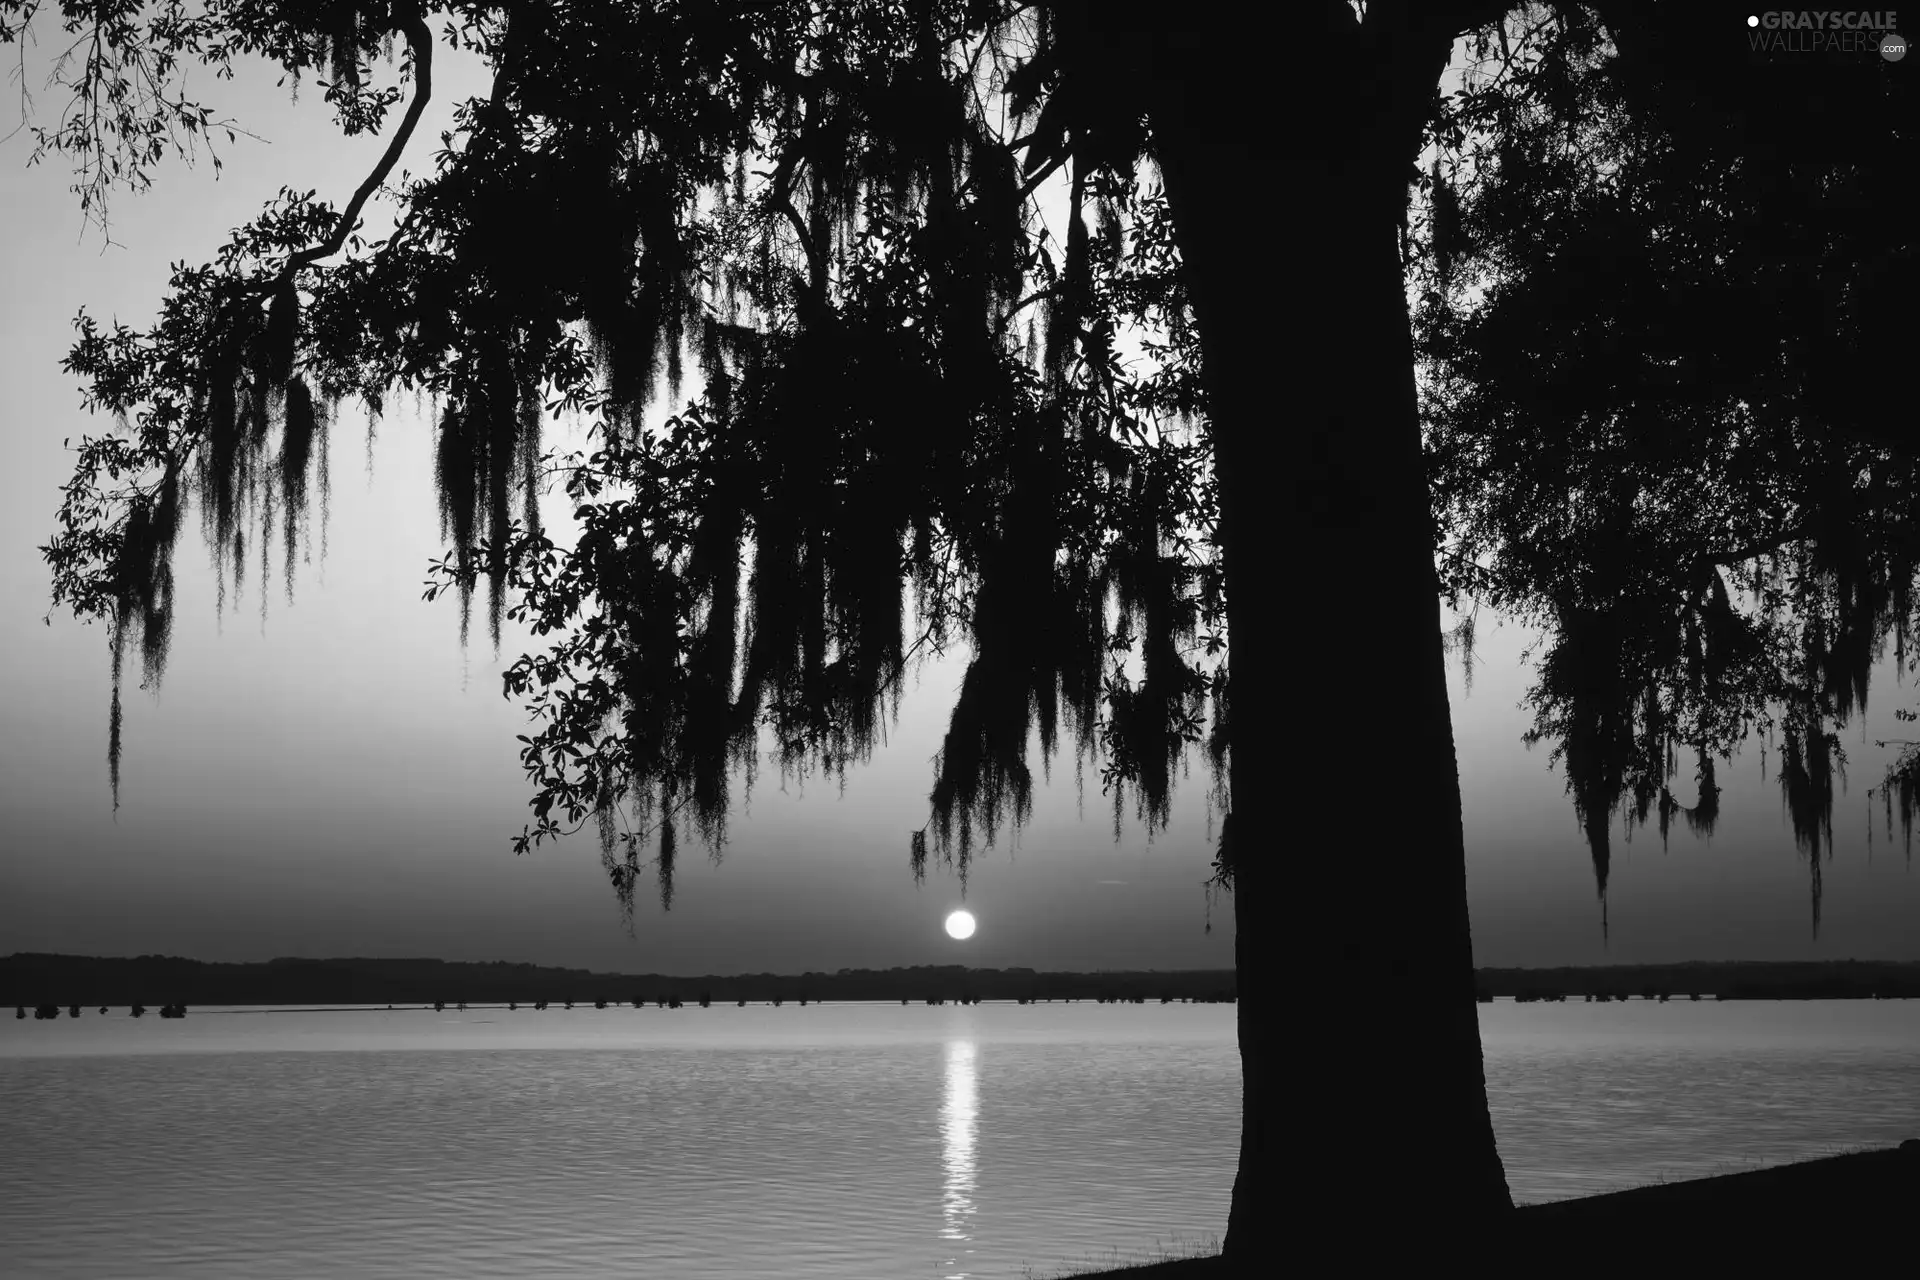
(1723, 980)
(32, 980)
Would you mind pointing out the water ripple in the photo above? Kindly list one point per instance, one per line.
(950, 1151)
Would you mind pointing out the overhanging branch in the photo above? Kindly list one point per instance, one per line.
(420, 46)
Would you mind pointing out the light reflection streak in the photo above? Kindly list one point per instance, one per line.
(959, 1113)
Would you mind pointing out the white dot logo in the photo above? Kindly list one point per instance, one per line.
(1753, 19)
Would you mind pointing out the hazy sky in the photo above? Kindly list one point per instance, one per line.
(342, 779)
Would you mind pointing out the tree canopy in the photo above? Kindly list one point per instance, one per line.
(915, 371)
(911, 374)
(1658, 311)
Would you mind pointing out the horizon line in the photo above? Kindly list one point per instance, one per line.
(827, 973)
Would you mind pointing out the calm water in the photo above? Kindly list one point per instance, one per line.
(847, 1141)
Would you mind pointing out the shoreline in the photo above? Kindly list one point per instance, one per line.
(33, 978)
(1839, 1208)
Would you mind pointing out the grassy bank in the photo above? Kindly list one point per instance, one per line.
(1840, 1210)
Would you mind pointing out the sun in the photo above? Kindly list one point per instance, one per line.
(960, 924)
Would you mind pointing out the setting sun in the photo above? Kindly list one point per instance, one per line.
(960, 924)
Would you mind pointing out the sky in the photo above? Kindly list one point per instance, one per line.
(340, 777)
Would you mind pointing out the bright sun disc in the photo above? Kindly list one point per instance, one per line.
(960, 924)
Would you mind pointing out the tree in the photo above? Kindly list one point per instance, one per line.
(835, 207)
(605, 212)
(1711, 530)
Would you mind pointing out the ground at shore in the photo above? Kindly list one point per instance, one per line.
(1842, 1211)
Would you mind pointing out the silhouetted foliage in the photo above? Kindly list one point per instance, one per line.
(836, 216)
(908, 380)
(1657, 313)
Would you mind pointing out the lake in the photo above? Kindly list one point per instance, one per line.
(840, 1140)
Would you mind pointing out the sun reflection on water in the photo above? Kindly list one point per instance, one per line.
(959, 1112)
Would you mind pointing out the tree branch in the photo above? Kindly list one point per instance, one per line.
(816, 267)
(781, 186)
(1046, 171)
(1038, 294)
(1740, 555)
(420, 45)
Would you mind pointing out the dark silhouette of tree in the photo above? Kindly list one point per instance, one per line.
(1661, 296)
(1193, 397)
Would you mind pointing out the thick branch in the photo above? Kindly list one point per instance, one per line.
(1740, 555)
(1045, 171)
(781, 185)
(420, 45)
(816, 266)
(1036, 296)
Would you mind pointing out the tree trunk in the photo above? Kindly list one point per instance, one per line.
(1364, 1095)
